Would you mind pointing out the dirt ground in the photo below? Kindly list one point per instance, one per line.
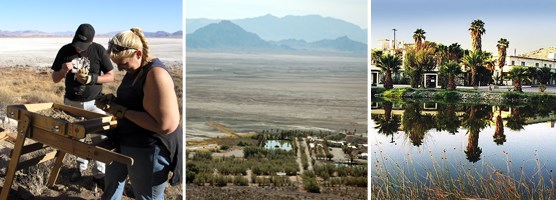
(271, 193)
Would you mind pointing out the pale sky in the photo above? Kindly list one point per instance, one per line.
(527, 25)
(354, 11)
(104, 15)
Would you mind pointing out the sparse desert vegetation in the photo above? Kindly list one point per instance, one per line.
(276, 173)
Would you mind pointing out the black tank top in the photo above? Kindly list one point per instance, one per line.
(130, 94)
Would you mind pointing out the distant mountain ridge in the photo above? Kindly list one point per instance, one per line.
(35, 33)
(309, 27)
(541, 53)
(226, 35)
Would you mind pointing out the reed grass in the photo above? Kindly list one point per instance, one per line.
(392, 179)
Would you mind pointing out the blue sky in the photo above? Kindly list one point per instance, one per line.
(354, 11)
(528, 25)
(104, 15)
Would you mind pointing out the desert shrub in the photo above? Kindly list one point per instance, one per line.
(311, 185)
(203, 178)
(241, 181)
(220, 181)
(224, 147)
(280, 181)
(202, 156)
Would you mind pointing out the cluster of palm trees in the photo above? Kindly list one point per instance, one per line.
(425, 56)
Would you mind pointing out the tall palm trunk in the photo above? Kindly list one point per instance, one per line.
(387, 110)
(474, 76)
(388, 83)
(517, 85)
(451, 82)
(499, 137)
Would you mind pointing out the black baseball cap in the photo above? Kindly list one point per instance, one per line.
(83, 36)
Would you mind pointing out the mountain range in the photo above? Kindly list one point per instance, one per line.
(309, 27)
(228, 36)
(35, 33)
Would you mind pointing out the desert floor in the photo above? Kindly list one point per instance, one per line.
(251, 93)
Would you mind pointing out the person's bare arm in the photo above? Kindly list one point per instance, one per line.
(107, 77)
(57, 76)
(160, 102)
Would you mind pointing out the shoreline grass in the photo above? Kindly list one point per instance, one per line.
(394, 180)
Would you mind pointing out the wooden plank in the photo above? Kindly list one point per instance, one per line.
(14, 161)
(79, 149)
(36, 160)
(32, 147)
(56, 169)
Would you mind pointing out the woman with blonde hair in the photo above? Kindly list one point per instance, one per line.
(148, 128)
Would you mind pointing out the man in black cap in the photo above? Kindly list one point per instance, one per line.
(85, 66)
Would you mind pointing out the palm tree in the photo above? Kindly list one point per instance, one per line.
(419, 36)
(477, 30)
(415, 124)
(452, 70)
(518, 74)
(455, 52)
(474, 60)
(441, 53)
(502, 45)
(544, 74)
(389, 63)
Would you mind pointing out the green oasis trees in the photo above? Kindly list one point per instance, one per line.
(476, 61)
(418, 61)
(389, 64)
(518, 75)
(451, 70)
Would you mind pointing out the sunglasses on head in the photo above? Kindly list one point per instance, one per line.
(117, 48)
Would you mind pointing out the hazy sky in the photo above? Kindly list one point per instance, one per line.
(104, 15)
(528, 25)
(354, 11)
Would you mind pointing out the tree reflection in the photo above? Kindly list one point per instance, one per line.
(499, 137)
(516, 121)
(447, 118)
(386, 124)
(475, 119)
(415, 124)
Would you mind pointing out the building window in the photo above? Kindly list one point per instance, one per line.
(522, 63)
(513, 62)
(544, 64)
(536, 64)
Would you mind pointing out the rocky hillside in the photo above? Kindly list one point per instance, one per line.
(541, 53)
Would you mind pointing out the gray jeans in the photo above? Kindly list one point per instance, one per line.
(82, 163)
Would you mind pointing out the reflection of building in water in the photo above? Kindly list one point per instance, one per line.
(506, 112)
(433, 109)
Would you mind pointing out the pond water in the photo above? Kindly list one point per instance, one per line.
(278, 144)
(420, 137)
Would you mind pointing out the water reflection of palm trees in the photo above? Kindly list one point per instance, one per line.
(499, 137)
(447, 118)
(416, 124)
(516, 121)
(387, 124)
(474, 120)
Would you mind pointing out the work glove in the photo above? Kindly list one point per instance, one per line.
(108, 104)
(84, 77)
